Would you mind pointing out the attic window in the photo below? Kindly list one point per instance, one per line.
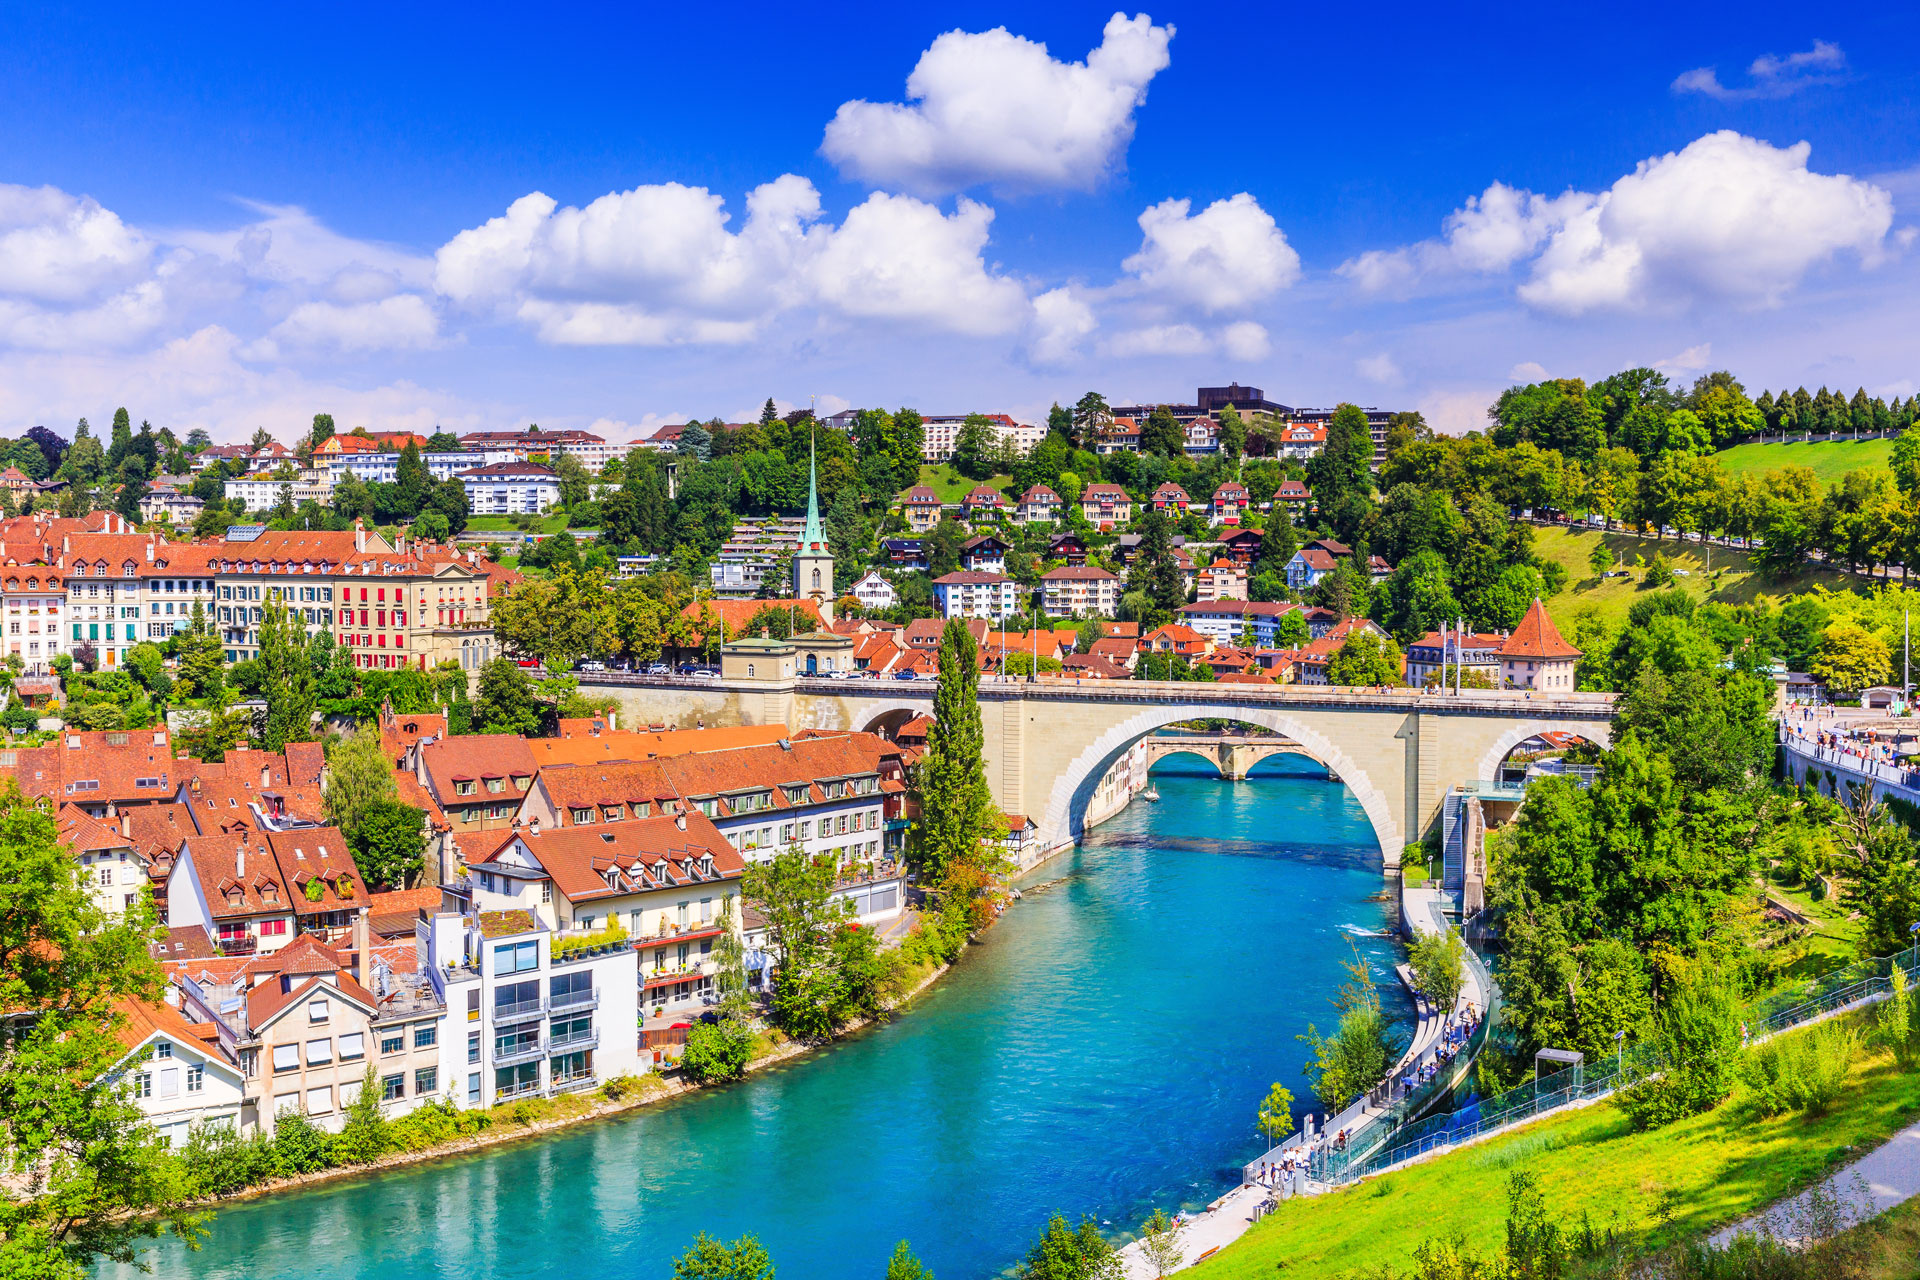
(463, 788)
(146, 782)
(641, 808)
(582, 817)
(116, 739)
(796, 795)
(608, 836)
(612, 812)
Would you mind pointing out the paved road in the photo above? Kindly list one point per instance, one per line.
(1871, 1185)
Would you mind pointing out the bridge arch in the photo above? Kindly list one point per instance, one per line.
(1066, 805)
(885, 718)
(1600, 734)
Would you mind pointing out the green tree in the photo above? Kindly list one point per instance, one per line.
(507, 701)
(389, 844)
(1065, 1252)
(1600, 559)
(957, 812)
(903, 1265)
(1365, 658)
(575, 483)
(1851, 658)
(973, 447)
(795, 893)
(1161, 434)
(1275, 1117)
(87, 1179)
(1340, 474)
(710, 1259)
(366, 1135)
(202, 668)
(359, 781)
(1882, 883)
(321, 432)
(1439, 963)
(286, 677)
(1160, 1242)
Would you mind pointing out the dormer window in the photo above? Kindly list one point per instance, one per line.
(582, 817)
(496, 785)
(463, 788)
(612, 812)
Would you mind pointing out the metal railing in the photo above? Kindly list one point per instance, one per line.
(577, 1040)
(1846, 988)
(570, 1000)
(515, 1010)
(525, 1051)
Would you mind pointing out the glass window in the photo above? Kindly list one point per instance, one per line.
(426, 1080)
(196, 1077)
(393, 1088)
(319, 1052)
(392, 1041)
(516, 957)
(316, 1011)
(286, 1057)
(352, 1046)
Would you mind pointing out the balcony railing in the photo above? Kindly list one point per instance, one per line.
(528, 1090)
(519, 1010)
(570, 1000)
(525, 1051)
(578, 1040)
(573, 1083)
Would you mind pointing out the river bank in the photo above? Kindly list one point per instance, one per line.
(1101, 1051)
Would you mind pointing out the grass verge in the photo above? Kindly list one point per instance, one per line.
(1709, 1170)
(952, 486)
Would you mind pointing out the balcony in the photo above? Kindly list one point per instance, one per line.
(531, 1089)
(525, 1051)
(578, 1040)
(519, 1010)
(568, 1001)
(574, 1083)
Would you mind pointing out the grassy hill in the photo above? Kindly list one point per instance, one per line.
(1715, 1168)
(951, 485)
(1829, 459)
(1730, 578)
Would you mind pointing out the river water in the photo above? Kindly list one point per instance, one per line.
(1102, 1052)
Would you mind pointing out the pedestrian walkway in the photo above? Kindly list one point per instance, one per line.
(1886, 1177)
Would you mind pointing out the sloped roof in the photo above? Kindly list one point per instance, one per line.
(1537, 637)
(648, 853)
(473, 756)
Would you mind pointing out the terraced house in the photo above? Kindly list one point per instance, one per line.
(33, 597)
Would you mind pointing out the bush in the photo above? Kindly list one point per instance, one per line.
(299, 1146)
(434, 1124)
(717, 1051)
(620, 1088)
(1802, 1072)
(219, 1162)
(1700, 1043)
(1895, 1023)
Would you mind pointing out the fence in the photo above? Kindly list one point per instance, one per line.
(1781, 1011)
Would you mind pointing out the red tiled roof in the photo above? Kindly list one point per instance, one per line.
(735, 614)
(471, 755)
(648, 853)
(1537, 637)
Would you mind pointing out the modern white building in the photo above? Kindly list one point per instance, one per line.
(875, 592)
(1080, 591)
(1226, 622)
(384, 468)
(976, 595)
(511, 488)
(525, 1018)
(939, 435)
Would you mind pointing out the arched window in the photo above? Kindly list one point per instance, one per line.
(816, 579)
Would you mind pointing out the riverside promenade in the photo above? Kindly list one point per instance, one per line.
(1228, 1218)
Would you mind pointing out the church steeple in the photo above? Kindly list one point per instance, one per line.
(813, 559)
(812, 539)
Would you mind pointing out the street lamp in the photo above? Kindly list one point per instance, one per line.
(1619, 1055)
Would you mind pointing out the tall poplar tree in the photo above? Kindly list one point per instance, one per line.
(956, 805)
(286, 680)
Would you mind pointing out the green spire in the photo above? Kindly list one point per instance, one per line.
(812, 537)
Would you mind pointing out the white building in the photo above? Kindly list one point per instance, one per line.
(525, 1019)
(1080, 591)
(875, 592)
(511, 488)
(976, 595)
(259, 492)
(175, 1078)
(384, 468)
(1225, 622)
(164, 502)
(939, 435)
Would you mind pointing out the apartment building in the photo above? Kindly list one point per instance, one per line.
(479, 779)
(976, 595)
(985, 503)
(1230, 502)
(165, 502)
(114, 871)
(1105, 504)
(1227, 622)
(922, 507)
(257, 891)
(670, 883)
(874, 592)
(593, 451)
(1080, 591)
(511, 488)
(1476, 653)
(984, 554)
(305, 1024)
(104, 574)
(1224, 579)
(1171, 498)
(524, 1017)
(33, 598)
(1038, 505)
(384, 467)
(940, 435)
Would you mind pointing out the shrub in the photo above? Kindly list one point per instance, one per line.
(1700, 1043)
(621, 1088)
(717, 1051)
(1895, 1023)
(219, 1162)
(364, 1137)
(433, 1124)
(299, 1145)
(1802, 1072)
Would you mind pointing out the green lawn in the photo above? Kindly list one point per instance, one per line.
(1715, 1169)
(1834, 942)
(1829, 459)
(1731, 578)
(952, 486)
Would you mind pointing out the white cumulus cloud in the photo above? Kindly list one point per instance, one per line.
(898, 258)
(403, 322)
(62, 249)
(1694, 358)
(993, 107)
(1380, 368)
(1227, 256)
(1061, 320)
(1728, 217)
(1529, 371)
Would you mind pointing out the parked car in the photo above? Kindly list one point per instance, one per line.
(593, 666)
(706, 673)
(659, 669)
(688, 668)
(908, 674)
(529, 662)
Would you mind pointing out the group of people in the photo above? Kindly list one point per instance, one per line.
(1860, 746)
(1453, 1039)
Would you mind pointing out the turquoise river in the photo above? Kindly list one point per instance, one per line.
(1102, 1052)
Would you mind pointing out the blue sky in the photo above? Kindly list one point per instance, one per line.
(477, 217)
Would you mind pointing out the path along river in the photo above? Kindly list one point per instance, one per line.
(1103, 1051)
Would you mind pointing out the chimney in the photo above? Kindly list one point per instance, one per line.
(266, 777)
(240, 863)
(149, 550)
(126, 826)
(359, 535)
(680, 820)
(360, 943)
(535, 825)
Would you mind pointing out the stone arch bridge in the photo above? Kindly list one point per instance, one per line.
(1233, 754)
(1049, 743)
